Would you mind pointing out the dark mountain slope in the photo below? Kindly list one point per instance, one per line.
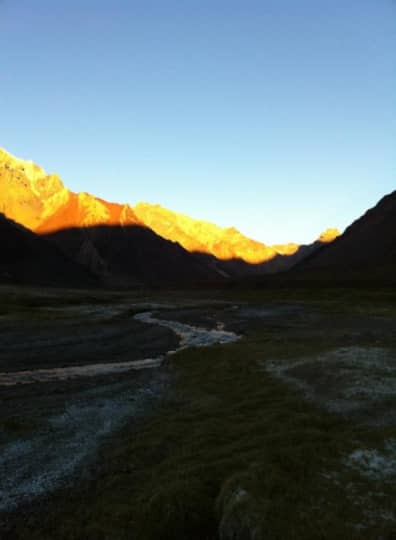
(28, 259)
(127, 255)
(366, 250)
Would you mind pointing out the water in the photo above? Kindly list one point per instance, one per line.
(190, 336)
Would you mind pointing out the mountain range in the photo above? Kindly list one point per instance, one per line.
(120, 245)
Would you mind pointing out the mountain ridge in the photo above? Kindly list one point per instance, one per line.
(106, 238)
(82, 225)
(225, 243)
(49, 206)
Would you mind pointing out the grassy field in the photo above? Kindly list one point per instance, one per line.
(233, 452)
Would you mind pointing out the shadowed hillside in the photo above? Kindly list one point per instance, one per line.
(26, 258)
(237, 268)
(131, 255)
(111, 256)
(366, 250)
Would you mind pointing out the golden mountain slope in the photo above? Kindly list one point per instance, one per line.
(43, 204)
(329, 235)
(223, 243)
(201, 236)
(27, 194)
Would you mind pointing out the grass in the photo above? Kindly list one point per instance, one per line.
(232, 453)
(331, 299)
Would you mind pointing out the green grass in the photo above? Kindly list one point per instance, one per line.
(335, 299)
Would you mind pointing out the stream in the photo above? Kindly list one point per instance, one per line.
(190, 336)
(34, 465)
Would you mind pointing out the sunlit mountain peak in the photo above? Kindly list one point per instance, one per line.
(329, 235)
(27, 194)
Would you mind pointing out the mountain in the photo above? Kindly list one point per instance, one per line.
(41, 202)
(226, 249)
(366, 250)
(26, 258)
(130, 245)
(108, 238)
(130, 255)
(203, 237)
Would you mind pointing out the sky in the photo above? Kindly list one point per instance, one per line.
(277, 117)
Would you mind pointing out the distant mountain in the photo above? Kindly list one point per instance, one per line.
(366, 250)
(226, 248)
(281, 262)
(144, 244)
(28, 259)
(203, 237)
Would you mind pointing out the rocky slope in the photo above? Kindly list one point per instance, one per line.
(225, 244)
(226, 249)
(366, 250)
(108, 238)
(40, 202)
(203, 237)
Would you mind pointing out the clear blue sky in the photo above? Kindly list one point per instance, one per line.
(274, 116)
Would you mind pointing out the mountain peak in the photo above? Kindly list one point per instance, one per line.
(329, 235)
(27, 194)
(30, 170)
(40, 201)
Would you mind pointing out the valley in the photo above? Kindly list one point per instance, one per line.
(162, 377)
(240, 406)
(198, 270)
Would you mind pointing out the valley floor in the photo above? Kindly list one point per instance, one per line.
(287, 432)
